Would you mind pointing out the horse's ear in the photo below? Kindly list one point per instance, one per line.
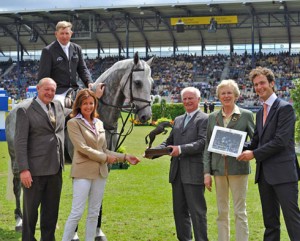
(149, 61)
(136, 58)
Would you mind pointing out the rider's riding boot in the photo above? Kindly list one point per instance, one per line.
(19, 221)
(100, 236)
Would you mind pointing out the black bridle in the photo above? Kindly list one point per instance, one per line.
(130, 108)
(133, 98)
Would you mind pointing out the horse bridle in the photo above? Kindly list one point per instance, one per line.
(128, 108)
(132, 106)
(132, 98)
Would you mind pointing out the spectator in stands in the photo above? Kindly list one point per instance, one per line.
(172, 74)
(229, 174)
(62, 60)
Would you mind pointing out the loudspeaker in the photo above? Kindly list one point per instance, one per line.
(180, 27)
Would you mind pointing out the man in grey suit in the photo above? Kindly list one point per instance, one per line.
(62, 61)
(277, 168)
(187, 140)
(39, 141)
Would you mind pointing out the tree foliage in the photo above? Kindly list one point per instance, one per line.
(295, 94)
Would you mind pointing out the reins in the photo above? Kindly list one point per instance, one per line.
(129, 108)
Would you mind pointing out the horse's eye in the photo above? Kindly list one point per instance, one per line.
(138, 84)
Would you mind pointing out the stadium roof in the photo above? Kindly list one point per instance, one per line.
(149, 25)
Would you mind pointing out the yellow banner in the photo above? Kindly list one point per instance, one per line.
(205, 20)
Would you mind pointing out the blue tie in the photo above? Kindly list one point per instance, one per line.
(186, 120)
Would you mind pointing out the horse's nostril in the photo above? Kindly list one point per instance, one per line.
(144, 118)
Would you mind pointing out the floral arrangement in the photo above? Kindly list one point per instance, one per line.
(138, 123)
(155, 123)
(151, 123)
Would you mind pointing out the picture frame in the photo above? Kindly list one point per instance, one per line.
(227, 141)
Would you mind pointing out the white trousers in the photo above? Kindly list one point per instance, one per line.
(83, 190)
(238, 185)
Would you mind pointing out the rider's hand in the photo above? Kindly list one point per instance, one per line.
(100, 90)
(26, 178)
(91, 85)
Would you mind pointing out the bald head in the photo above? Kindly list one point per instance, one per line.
(46, 89)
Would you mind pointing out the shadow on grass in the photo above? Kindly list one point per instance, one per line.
(9, 235)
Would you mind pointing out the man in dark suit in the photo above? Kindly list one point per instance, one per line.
(205, 106)
(211, 106)
(277, 166)
(62, 61)
(39, 141)
(187, 140)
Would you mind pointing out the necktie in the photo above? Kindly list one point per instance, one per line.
(265, 113)
(51, 115)
(186, 120)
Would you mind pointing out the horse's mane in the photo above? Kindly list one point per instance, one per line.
(116, 71)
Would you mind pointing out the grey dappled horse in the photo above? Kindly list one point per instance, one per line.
(129, 80)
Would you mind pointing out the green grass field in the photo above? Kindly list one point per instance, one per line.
(137, 202)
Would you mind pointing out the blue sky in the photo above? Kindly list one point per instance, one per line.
(38, 5)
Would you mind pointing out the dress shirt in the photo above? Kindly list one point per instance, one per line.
(65, 48)
(270, 101)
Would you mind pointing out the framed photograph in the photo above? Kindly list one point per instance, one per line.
(227, 141)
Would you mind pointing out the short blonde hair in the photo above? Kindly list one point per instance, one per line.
(63, 25)
(229, 83)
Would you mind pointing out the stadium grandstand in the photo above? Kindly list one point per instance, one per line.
(197, 43)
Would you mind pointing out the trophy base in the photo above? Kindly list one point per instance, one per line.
(155, 152)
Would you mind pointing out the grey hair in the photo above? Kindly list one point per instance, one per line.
(191, 89)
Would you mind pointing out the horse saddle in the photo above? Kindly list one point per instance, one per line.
(70, 97)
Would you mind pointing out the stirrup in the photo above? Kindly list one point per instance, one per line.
(100, 236)
(19, 224)
(75, 238)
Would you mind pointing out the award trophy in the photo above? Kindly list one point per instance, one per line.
(157, 151)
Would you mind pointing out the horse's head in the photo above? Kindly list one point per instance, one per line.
(126, 82)
(137, 88)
